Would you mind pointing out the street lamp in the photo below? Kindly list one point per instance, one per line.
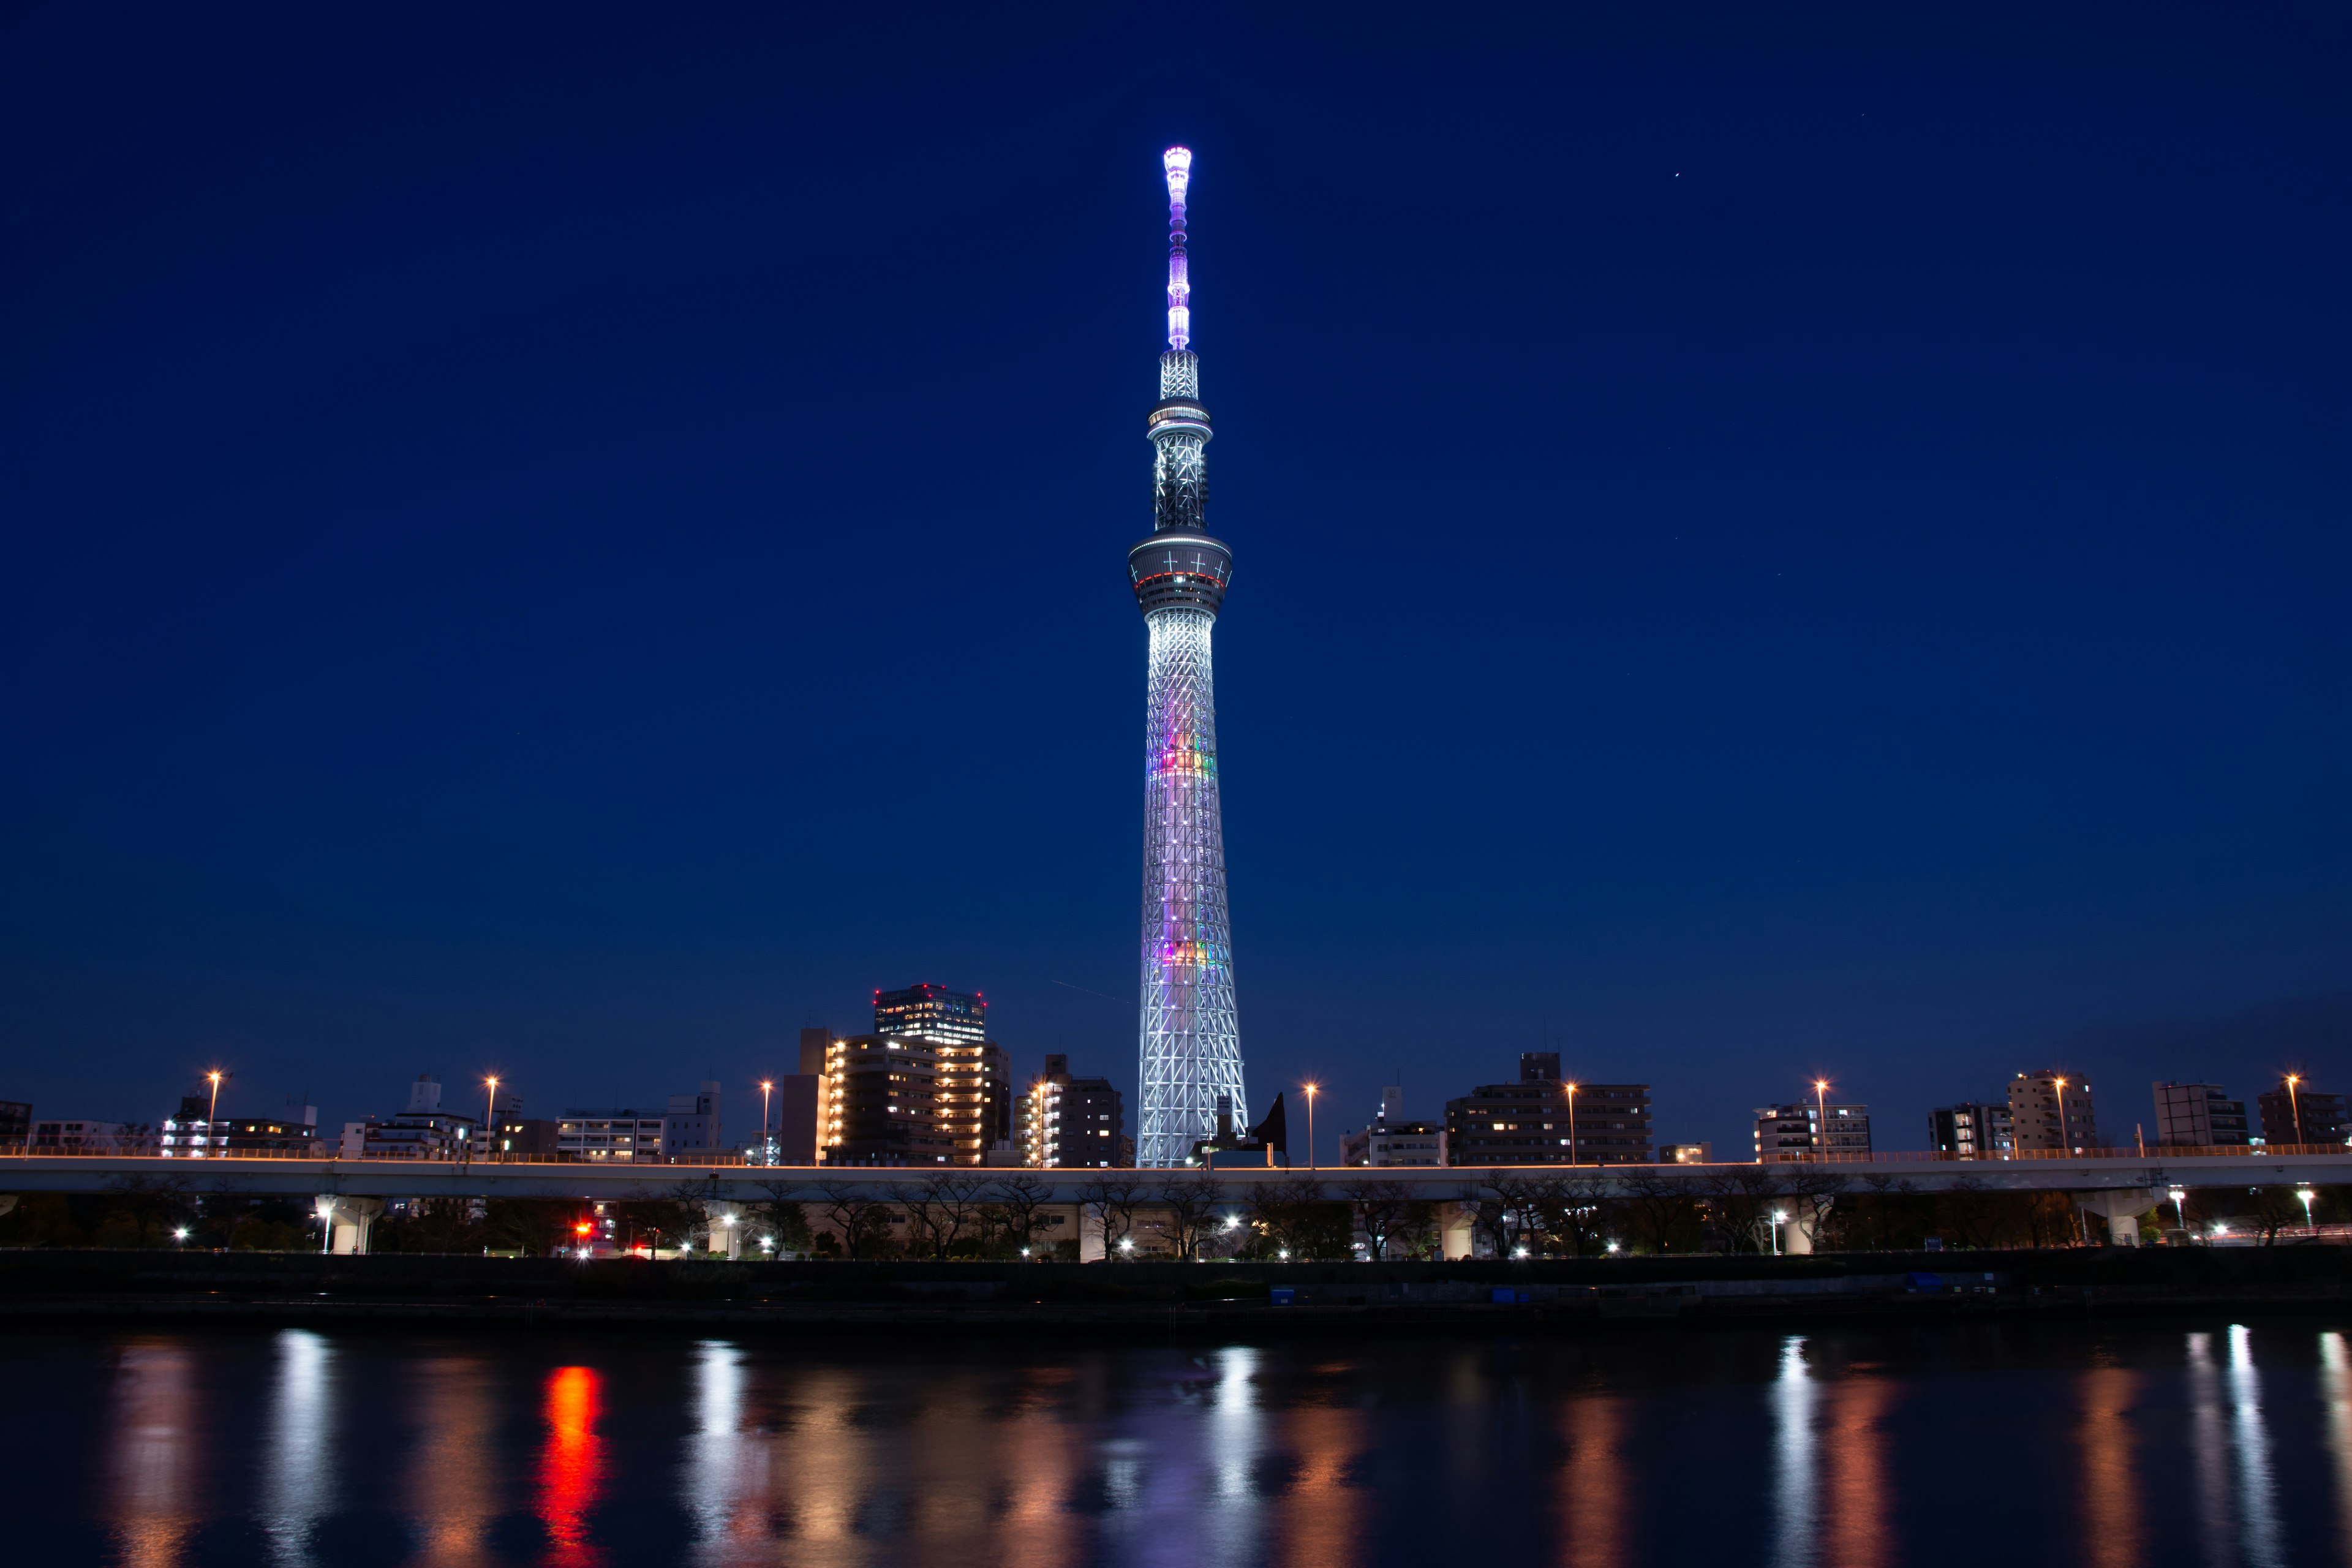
(2305, 1195)
(2179, 1214)
(1312, 1091)
(2296, 1105)
(1779, 1217)
(2065, 1139)
(491, 1114)
(1821, 1115)
(212, 1114)
(181, 1234)
(767, 1150)
(1571, 1124)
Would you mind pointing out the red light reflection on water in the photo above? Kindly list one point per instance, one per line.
(572, 1466)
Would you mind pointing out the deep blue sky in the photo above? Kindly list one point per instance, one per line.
(1770, 540)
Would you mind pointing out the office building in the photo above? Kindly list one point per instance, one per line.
(1971, 1131)
(1541, 1120)
(2198, 1116)
(2051, 1110)
(1071, 1121)
(969, 1091)
(608, 1136)
(2305, 1116)
(1810, 1130)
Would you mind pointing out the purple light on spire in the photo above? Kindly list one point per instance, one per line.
(1177, 161)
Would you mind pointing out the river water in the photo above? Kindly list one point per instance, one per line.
(2112, 1443)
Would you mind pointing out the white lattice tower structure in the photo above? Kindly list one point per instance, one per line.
(1190, 1045)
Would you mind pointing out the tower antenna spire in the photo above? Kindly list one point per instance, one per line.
(1178, 163)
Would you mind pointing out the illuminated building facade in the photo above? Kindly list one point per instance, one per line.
(1971, 1131)
(1787, 1132)
(927, 1087)
(1532, 1122)
(1191, 1042)
(2049, 1110)
(1073, 1122)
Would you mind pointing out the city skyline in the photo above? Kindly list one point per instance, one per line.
(1815, 554)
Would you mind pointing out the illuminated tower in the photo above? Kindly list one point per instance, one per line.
(1190, 1047)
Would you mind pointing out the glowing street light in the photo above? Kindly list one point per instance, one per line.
(1821, 1114)
(2179, 1214)
(767, 1150)
(2065, 1139)
(2305, 1195)
(212, 1115)
(1779, 1218)
(181, 1234)
(1312, 1091)
(2296, 1105)
(1571, 1124)
(491, 1114)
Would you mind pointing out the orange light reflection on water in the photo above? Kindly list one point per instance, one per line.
(1594, 1485)
(152, 1505)
(570, 1467)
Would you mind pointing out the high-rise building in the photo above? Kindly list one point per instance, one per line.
(1541, 1120)
(1071, 1121)
(2052, 1109)
(971, 1097)
(2198, 1116)
(1809, 1129)
(1971, 1131)
(1191, 1042)
(2305, 1116)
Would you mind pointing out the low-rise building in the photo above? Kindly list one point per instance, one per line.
(424, 1130)
(1542, 1120)
(2051, 1109)
(2198, 1116)
(198, 1132)
(1393, 1138)
(1686, 1154)
(2304, 1116)
(66, 1137)
(1810, 1130)
(1972, 1130)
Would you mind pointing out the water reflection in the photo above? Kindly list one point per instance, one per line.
(453, 1481)
(1595, 1490)
(298, 1466)
(152, 1501)
(570, 1466)
(2335, 1387)
(1794, 1493)
(2111, 1502)
(2257, 1487)
(1859, 1490)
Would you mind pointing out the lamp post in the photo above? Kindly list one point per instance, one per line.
(2304, 1194)
(1779, 1217)
(2295, 1103)
(1571, 1124)
(491, 1115)
(212, 1114)
(1821, 1115)
(2065, 1139)
(767, 1149)
(2179, 1214)
(1312, 1090)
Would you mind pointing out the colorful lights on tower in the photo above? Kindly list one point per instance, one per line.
(1190, 1045)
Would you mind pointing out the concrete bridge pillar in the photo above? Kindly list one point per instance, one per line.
(1456, 1234)
(348, 1220)
(1090, 1234)
(727, 1226)
(2121, 1210)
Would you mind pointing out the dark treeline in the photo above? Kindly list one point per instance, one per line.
(1006, 1216)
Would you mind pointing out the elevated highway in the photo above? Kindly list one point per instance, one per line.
(350, 1193)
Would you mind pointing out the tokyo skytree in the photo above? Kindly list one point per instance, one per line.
(1190, 1045)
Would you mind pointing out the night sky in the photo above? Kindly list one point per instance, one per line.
(1770, 541)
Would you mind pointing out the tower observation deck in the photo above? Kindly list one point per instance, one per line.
(1190, 1045)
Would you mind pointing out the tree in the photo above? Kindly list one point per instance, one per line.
(1191, 1203)
(154, 1206)
(1294, 1216)
(1659, 1209)
(1112, 1201)
(1811, 1189)
(779, 1218)
(1018, 1200)
(941, 1210)
(1741, 1201)
(861, 1218)
(1381, 1208)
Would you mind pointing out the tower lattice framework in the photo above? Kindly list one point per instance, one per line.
(1191, 1044)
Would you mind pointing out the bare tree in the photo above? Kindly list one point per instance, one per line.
(1112, 1201)
(1512, 1213)
(1741, 1201)
(1018, 1198)
(1296, 1217)
(941, 1210)
(1190, 1202)
(860, 1216)
(1662, 1209)
(1382, 1212)
(1811, 1191)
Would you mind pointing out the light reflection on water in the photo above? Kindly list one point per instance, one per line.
(2229, 1445)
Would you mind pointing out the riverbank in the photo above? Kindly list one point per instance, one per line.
(1159, 1297)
